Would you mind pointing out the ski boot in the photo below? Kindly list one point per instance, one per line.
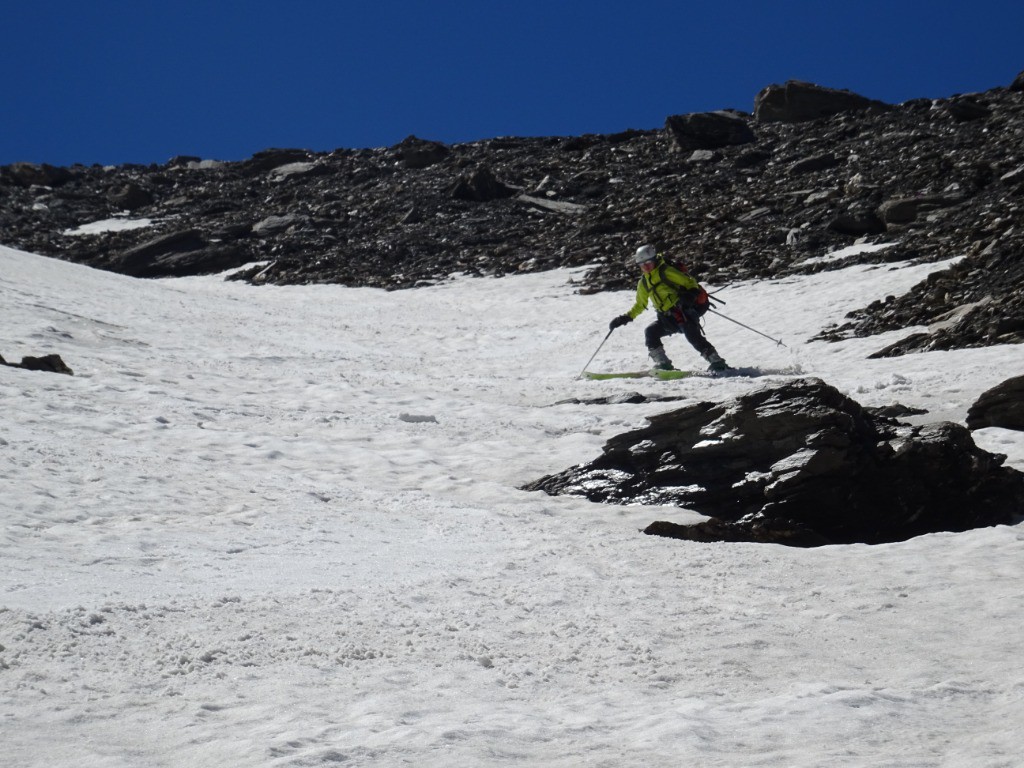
(717, 364)
(661, 361)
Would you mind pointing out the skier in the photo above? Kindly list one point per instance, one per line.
(679, 302)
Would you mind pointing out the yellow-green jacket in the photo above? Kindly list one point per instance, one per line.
(662, 293)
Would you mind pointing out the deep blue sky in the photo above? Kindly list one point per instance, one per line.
(101, 81)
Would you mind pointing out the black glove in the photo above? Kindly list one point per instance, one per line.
(619, 321)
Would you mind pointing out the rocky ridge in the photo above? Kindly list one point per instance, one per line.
(737, 195)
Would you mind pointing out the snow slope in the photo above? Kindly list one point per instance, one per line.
(281, 527)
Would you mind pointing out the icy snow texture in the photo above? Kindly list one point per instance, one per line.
(280, 527)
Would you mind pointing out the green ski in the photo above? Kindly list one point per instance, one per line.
(649, 374)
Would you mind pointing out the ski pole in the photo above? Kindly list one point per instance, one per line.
(594, 355)
(744, 326)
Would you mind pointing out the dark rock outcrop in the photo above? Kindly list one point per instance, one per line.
(796, 101)
(857, 223)
(1001, 406)
(33, 174)
(964, 108)
(130, 197)
(907, 210)
(270, 159)
(49, 363)
(708, 130)
(481, 186)
(419, 153)
(185, 252)
(815, 163)
(800, 464)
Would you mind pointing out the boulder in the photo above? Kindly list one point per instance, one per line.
(418, 153)
(708, 130)
(269, 159)
(906, 210)
(857, 224)
(752, 158)
(130, 197)
(183, 161)
(966, 108)
(481, 186)
(32, 174)
(703, 156)
(299, 170)
(273, 225)
(820, 162)
(146, 259)
(1001, 406)
(49, 363)
(802, 464)
(796, 101)
(210, 260)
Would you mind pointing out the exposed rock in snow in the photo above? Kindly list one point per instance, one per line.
(800, 464)
(1001, 406)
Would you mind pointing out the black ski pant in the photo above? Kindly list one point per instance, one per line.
(666, 325)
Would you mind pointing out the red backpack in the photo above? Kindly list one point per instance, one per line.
(701, 301)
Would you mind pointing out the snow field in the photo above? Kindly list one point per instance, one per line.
(281, 527)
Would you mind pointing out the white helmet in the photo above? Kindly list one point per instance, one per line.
(645, 253)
